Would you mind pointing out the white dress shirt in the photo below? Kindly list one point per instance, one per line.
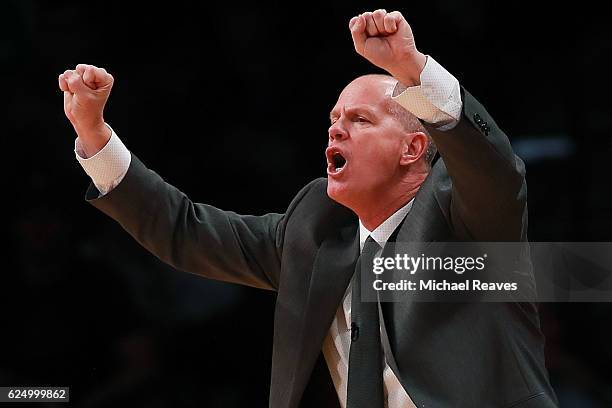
(437, 100)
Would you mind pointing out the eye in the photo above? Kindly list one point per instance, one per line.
(361, 119)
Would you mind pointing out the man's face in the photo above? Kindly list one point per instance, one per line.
(365, 142)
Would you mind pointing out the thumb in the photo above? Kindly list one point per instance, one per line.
(67, 98)
(357, 25)
(75, 83)
(68, 106)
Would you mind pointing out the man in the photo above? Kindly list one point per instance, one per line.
(381, 186)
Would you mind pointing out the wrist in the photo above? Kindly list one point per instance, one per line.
(409, 72)
(93, 138)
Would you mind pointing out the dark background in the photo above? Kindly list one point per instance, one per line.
(230, 103)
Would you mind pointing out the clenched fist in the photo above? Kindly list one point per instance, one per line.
(386, 40)
(86, 90)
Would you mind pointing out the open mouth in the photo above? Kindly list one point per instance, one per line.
(336, 162)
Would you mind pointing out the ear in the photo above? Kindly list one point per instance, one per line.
(414, 146)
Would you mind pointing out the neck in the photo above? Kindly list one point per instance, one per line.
(373, 216)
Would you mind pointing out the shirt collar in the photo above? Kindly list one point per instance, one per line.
(382, 233)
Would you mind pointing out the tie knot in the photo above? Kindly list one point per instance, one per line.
(371, 246)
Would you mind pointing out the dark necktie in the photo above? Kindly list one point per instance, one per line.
(365, 381)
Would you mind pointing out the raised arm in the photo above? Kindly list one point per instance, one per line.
(488, 200)
(196, 238)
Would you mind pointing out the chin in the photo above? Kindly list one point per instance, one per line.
(338, 192)
(332, 190)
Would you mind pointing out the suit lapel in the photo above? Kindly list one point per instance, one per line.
(332, 271)
(413, 234)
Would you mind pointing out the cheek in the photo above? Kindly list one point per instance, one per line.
(380, 158)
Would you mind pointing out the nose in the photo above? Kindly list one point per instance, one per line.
(337, 132)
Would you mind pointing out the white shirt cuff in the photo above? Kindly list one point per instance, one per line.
(437, 100)
(107, 167)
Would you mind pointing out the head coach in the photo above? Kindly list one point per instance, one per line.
(330, 349)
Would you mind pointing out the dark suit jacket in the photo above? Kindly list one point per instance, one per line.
(444, 354)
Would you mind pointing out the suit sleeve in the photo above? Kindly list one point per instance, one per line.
(196, 238)
(489, 192)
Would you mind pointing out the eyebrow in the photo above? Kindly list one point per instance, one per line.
(366, 109)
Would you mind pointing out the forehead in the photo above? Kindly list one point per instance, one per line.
(374, 93)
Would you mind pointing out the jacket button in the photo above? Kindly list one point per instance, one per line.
(354, 331)
(477, 118)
